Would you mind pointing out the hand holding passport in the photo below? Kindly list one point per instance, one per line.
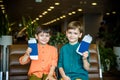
(84, 45)
(32, 43)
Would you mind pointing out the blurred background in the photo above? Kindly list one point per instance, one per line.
(100, 19)
(57, 13)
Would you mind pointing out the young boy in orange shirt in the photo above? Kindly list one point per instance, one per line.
(44, 67)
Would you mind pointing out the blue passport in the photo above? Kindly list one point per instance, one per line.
(32, 43)
(84, 45)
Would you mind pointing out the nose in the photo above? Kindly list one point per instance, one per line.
(72, 34)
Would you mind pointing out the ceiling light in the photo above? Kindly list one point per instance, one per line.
(94, 4)
(107, 13)
(73, 12)
(54, 20)
(58, 18)
(63, 16)
(37, 18)
(43, 13)
(51, 7)
(79, 9)
(57, 3)
(40, 16)
(113, 12)
(69, 13)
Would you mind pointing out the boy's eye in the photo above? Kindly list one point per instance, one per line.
(72, 33)
(47, 35)
(69, 32)
(42, 35)
(75, 33)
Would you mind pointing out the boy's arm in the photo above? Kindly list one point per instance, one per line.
(86, 64)
(25, 59)
(51, 72)
(51, 75)
(63, 74)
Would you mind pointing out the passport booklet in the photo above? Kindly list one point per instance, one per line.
(84, 44)
(32, 43)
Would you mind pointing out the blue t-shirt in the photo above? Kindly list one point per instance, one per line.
(72, 62)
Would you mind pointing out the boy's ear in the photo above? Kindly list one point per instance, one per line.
(66, 33)
(80, 35)
(36, 36)
(50, 36)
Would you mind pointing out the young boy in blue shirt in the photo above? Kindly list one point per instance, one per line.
(73, 66)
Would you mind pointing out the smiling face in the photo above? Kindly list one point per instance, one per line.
(43, 38)
(74, 31)
(73, 35)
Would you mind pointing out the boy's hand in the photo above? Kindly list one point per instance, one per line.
(85, 55)
(28, 51)
(66, 78)
(86, 64)
(26, 55)
(50, 78)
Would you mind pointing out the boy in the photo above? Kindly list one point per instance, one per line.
(73, 66)
(44, 67)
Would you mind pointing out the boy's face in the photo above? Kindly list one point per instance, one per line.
(43, 38)
(73, 35)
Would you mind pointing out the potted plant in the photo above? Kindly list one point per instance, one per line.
(6, 38)
(106, 47)
(30, 27)
(32, 43)
(112, 38)
(107, 57)
(58, 38)
(1, 18)
(116, 44)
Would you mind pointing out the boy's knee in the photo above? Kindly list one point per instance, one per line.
(61, 79)
(75, 79)
(78, 79)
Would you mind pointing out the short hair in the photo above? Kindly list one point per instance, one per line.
(74, 25)
(43, 29)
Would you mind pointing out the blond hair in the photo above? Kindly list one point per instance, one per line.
(74, 25)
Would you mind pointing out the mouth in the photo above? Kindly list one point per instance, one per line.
(71, 38)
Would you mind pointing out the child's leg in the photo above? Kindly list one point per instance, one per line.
(44, 76)
(78, 79)
(75, 79)
(61, 79)
(33, 77)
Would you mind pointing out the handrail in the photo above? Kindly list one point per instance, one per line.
(100, 67)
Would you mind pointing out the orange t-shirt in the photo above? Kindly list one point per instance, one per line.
(47, 57)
